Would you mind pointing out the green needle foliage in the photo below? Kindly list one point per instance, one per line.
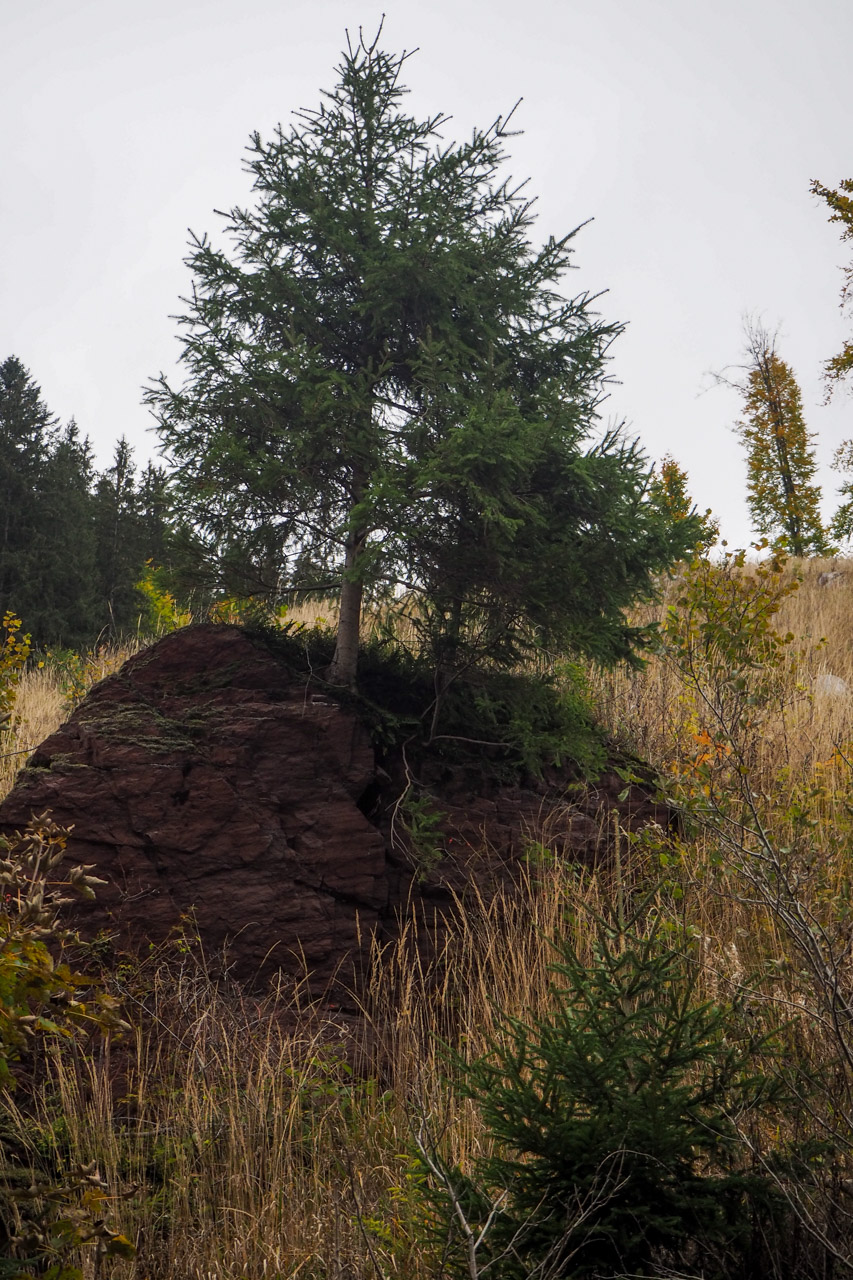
(73, 544)
(47, 553)
(614, 1120)
(386, 393)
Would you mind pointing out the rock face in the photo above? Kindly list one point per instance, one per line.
(201, 778)
(205, 780)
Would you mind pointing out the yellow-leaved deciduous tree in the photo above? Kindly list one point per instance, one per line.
(841, 205)
(14, 651)
(783, 499)
(668, 490)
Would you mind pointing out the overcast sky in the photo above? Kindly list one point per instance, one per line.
(687, 131)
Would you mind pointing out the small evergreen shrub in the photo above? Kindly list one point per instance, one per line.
(614, 1124)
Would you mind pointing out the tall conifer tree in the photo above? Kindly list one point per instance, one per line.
(386, 391)
(64, 592)
(120, 536)
(46, 539)
(27, 428)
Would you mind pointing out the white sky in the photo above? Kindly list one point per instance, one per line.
(688, 130)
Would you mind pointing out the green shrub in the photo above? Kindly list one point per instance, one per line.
(513, 723)
(45, 1220)
(614, 1122)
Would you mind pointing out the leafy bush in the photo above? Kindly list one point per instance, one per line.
(14, 651)
(45, 1220)
(721, 638)
(163, 611)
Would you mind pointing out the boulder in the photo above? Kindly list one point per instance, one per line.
(207, 782)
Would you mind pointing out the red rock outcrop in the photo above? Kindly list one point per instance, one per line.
(206, 780)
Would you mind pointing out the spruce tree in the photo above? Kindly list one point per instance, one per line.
(386, 392)
(154, 513)
(63, 608)
(612, 1144)
(121, 542)
(27, 428)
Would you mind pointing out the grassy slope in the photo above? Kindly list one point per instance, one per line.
(254, 1150)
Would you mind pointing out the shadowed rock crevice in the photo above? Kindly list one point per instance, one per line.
(207, 781)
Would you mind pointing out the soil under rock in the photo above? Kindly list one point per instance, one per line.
(208, 782)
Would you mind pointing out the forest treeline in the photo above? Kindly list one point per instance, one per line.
(75, 542)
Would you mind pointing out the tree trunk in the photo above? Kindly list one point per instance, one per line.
(446, 668)
(343, 668)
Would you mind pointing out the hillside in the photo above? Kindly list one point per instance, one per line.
(266, 1135)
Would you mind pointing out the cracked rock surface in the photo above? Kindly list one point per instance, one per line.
(203, 780)
(207, 782)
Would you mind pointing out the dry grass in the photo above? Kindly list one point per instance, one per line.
(257, 1150)
(271, 1140)
(46, 696)
(650, 710)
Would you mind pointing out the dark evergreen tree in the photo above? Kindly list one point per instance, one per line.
(154, 514)
(73, 545)
(46, 547)
(67, 610)
(26, 430)
(120, 530)
(385, 391)
(613, 1121)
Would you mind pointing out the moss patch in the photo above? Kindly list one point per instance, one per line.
(137, 724)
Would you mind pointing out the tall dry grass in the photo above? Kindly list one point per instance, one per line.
(272, 1139)
(650, 710)
(46, 695)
